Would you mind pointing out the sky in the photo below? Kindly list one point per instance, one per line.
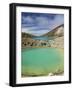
(40, 23)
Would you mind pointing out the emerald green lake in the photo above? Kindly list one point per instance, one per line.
(41, 61)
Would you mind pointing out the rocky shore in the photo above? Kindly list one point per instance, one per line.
(57, 73)
(56, 42)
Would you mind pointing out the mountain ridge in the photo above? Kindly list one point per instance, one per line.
(50, 33)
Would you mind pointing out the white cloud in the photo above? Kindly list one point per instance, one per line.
(42, 21)
(33, 32)
(59, 19)
(28, 19)
(44, 24)
(50, 23)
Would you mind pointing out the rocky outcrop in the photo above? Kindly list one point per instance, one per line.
(57, 32)
(56, 42)
(28, 42)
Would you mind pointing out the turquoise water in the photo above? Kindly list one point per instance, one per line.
(42, 38)
(39, 61)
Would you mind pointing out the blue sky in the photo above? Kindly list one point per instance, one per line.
(40, 23)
